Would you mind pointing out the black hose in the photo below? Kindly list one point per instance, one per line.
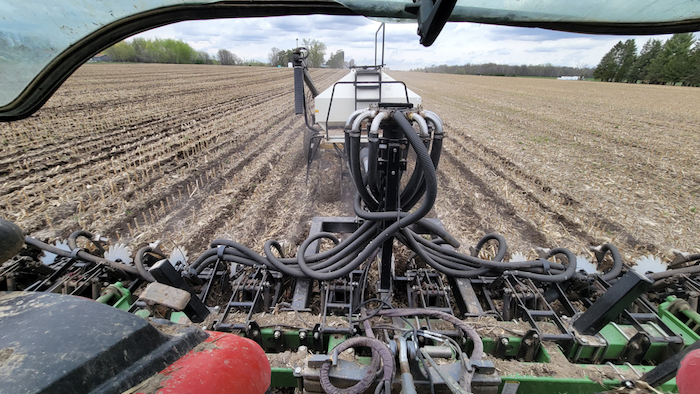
(355, 171)
(567, 274)
(382, 353)
(413, 184)
(502, 246)
(431, 194)
(694, 269)
(73, 240)
(456, 264)
(138, 261)
(372, 178)
(457, 273)
(122, 270)
(349, 254)
(617, 261)
(435, 153)
(478, 351)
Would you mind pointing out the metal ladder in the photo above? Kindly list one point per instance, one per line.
(368, 86)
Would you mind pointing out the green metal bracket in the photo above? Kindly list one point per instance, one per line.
(547, 384)
(123, 300)
(676, 324)
(538, 385)
(283, 377)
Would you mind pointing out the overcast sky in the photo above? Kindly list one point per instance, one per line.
(459, 43)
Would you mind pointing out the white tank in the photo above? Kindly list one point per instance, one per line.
(349, 96)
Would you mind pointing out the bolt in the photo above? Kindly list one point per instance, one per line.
(535, 336)
(255, 333)
(394, 150)
(393, 173)
(505, 341)
(635, 346)
(302, 335)
(316, 335)
(277, 334)
(297, 370)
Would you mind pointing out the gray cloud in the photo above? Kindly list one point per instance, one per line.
(459, 43)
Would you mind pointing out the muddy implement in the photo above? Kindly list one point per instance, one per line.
(386, 300)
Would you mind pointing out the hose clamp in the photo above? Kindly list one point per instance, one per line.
(74, 253)
(545, 265)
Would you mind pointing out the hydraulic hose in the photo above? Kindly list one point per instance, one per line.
(138, 262)
(380, 352)
(694, 269)
(478, 351)
(407, 385)
(73, 240)
(617, 261)
(353, 153)
(566, 275)
(349, 254)
(431, 194)
(330, 259)
(435, 153)
(121, 270)
(502, 246)
(351, 118)
(416, 179)
(337, 270)
(373, 142)
(456, 264)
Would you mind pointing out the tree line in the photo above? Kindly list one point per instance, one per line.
(168, 50)
(672, 62)
(317, 52)
(505, 70)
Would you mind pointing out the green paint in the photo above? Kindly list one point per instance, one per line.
(616, 342)
(283, 377)
(689, 336)
(123, 302)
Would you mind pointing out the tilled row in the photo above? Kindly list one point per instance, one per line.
(177, 155)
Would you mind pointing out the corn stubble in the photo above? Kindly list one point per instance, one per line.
(187, 154)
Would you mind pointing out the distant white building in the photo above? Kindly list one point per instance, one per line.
(570, 78)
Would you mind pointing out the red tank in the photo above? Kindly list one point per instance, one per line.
(688, 376)
(224, 363)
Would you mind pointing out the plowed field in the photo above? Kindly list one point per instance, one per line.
(186, 154)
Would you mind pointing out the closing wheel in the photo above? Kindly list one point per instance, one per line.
(324, 176)
(311, 149)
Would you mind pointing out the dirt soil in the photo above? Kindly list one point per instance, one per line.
(548, 162)
(558, 367)
(187, 154)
